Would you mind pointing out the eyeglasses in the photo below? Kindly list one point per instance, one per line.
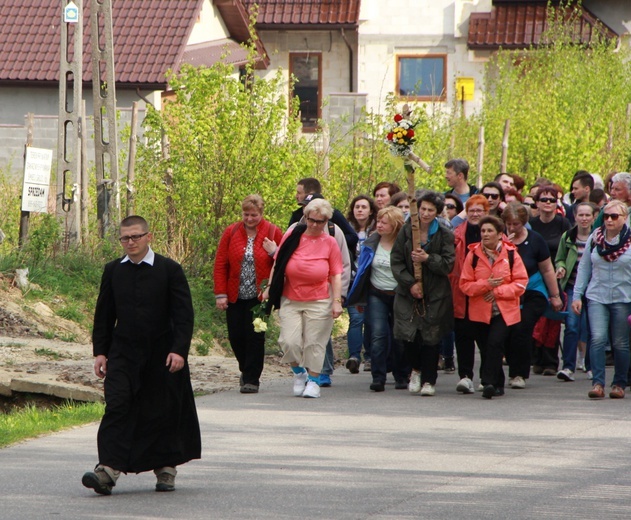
(450, 206)
(546, 199)
(133, 238)
(533, 205)
(475, 211)
(612, 216)
(493, 196)
(314, 221)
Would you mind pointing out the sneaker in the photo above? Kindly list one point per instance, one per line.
(249, 388)
(549, 371)
(480, 387)
(597, 392)
(580, 365)
(367, 365)
(98, 480)
(589, 374)
(311, 390)
(414, 386)
(537, 369)
(300, 380)
(616, 392)
(325, 380)
(450, 368)
(465, 385)
(377, 387)
(165, 479)
(517, 382)
(428, 389)
(488, 392)
(499, 391)
(353, 365)
(565, 375)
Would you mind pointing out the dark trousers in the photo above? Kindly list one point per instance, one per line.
(423, 358)
(519, 343)
(465, 346)
(491, 338)
(248, 346)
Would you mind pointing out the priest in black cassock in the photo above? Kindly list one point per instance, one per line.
(143, 326)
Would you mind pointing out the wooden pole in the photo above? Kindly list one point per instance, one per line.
(131, 165)
(26, 215)
(416, 230)
(480, 155)
(504, 159)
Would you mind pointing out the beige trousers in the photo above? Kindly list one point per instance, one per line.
(305, 328)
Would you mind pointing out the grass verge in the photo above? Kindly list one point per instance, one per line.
(31, 421)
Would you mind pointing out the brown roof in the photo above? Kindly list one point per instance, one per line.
(519, 24)
(208, 53)
(306, 13)
(150, 37)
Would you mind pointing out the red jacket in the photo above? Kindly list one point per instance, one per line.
(459, 298)
(230, 253)
(475, 284)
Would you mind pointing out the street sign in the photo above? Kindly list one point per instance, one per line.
(71, 13)
(36, 179)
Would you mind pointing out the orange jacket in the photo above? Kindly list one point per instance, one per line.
(475, 284)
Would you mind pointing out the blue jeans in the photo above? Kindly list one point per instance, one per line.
(606, 319)
(380, 315)
(329, 359)
(356, 335)
(575, 331)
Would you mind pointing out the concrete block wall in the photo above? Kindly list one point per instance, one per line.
(45, 132)
(343, 110)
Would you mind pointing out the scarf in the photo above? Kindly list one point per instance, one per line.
(611, 253)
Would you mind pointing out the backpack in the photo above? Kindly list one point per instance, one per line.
(511, 260)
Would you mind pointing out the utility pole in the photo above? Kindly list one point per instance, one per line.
(69, 126)
(104, 101)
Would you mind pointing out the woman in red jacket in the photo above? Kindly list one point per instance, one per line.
(493, 277)
(244, 258)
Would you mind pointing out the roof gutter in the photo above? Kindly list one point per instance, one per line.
(351, 76)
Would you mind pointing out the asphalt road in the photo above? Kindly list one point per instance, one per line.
(543, 452)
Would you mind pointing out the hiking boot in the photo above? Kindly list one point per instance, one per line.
(353, 365)
(99, 480)
(165, 479)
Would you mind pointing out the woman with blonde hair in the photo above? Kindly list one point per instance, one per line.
(307, 288)
(243, 260)
(374, 286)
(604, 279)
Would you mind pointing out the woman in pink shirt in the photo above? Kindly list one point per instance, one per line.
(308, 276)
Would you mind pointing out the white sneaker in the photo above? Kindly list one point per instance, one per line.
(517, 382)
(428, 389)
(565, 375)
(480, 388)
(589, 374)
(414, 387)
(311, 390)
(300, 380)
(465, 385)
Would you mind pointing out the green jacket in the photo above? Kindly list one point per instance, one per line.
(434, 315)
(567, 254)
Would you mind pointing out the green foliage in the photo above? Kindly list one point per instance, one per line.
(31, 421)
(567, 106)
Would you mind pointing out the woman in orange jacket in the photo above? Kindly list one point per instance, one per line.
(493, 277)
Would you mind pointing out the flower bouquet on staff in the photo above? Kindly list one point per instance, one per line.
(258, 311)
(400, 136)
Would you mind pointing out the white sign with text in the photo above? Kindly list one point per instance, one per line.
(36, 179)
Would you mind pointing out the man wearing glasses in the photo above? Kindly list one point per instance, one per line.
(143, 325)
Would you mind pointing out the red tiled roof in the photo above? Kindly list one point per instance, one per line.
(208, 53)
(150, 37)
(298, 13)
(519, 24)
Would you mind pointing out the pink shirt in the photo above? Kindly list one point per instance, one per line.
(314, 261)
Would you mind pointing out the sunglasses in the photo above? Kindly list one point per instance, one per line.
(612, 216)
(450, 206)
(533, 205)
(546, 199)
(493, 196)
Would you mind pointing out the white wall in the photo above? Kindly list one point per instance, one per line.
(210, 26)
(417, 27)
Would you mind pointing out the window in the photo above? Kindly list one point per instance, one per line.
(422, 77)
(307, 70)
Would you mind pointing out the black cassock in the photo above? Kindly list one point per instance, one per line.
(142, 314)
